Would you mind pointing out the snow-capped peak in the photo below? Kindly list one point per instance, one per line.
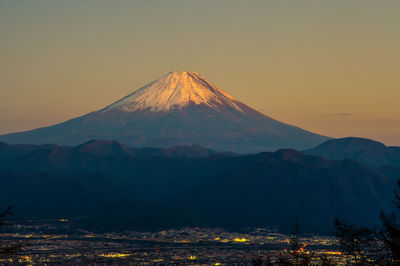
(175, 90)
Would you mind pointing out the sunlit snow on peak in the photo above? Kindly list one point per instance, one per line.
(177, 89)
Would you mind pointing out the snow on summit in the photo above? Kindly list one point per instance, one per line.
(180, 108)
(175, 90)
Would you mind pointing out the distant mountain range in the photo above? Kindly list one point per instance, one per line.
(181, 108)
(166, 178)
(107, 185)
(359, 149)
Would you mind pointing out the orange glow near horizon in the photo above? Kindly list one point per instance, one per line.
(331, 67)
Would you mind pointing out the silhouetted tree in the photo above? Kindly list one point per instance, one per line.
(9, 249)
(390, 232)
(364, 247)
(297, 250)
(355, 241)
(3, 216)
(295, 245)
(301, 256)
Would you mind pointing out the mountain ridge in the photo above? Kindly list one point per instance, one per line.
(106, 148)
(178, 109)
(264, 189)
(363, 150)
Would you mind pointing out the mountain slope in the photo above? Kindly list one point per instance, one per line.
(359, 149)
(278, 188)
(175, 90)
(181, 108)
(85, 156)
(104, 182)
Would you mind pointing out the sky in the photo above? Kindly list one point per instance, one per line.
(331, 67)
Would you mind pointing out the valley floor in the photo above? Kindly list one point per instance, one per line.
(53, 242)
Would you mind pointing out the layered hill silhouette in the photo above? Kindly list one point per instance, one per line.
(181, 108)
(363, 150)
(107, 185)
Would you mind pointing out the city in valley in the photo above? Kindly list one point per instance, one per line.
(54, 242)
(172, 132)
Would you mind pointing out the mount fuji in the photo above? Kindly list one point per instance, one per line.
(180, 108)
